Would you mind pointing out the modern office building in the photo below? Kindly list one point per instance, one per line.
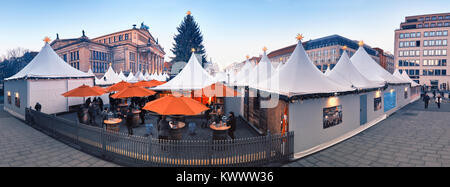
(323, 52)
(130, 50)
(421, 47)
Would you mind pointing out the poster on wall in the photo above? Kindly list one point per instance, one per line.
(406, 94)
(389, 101)
(377, 104)
(332, 116)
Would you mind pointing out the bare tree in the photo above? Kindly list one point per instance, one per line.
(16, 53)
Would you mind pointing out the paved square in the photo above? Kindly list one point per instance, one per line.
(412, 136)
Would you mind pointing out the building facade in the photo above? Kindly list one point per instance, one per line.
(324, 52)
(421, 47)
(130, 50)
(387, 60)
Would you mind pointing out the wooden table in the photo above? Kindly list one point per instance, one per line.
(113, 124)
(220, 131)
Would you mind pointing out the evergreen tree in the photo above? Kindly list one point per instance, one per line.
(189, 37)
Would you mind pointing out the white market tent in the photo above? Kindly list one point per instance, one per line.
(327, 72)
(261, 72)
(371, 69)
(221, 77)
(345, 73)
(140, 76)
(43, 80)
(109, 78)
(122, 76)
(299, 76)
(192, 77)
(131, 78)
(90, 72)
(407, 78)
(242, 77)
(146, 76)
(47, 64)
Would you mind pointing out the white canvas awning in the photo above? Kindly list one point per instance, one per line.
(131, 78)
(407, 78)
(242, 77)
(371, 69)
(47, 64)
(192, 77)
(261, 72)
(122, 76)
(345, 73)
(299, 76)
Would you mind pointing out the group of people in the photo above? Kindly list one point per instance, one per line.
(215, 115)
(437, 98)
(92, 108)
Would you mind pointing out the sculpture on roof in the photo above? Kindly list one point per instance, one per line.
(143, 26)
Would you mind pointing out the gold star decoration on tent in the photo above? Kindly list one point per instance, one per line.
(344, 48)
(299, 37)
(193, 49)
(247, 57)
(47, 39)
(188, 12)
(264, 48)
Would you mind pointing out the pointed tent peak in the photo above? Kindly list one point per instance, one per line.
(47, 40)
(312, 81)
(327, 72)
(407, 78)
(346, 73)
(371, 69)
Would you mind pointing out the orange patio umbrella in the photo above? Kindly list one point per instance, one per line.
(99, 89)
(171, 105)
(83, 91)
(118, 86)
(216, 90)
(133, 91)
(149, 84)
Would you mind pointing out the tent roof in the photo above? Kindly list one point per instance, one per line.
(242, 77)
(47, 64)
(327, 72)
(110, 77)
(371, 69)
(131, 78)
(122, 76)
(407, 78)
(345, 73)
(192, 77)
(299, 76)
(261, 72)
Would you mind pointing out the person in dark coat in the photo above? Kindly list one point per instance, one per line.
(91, 111)
(232, 123)
(129, 121)
(426, 99)
(100, 103)
(438, 101)
(38, 107)
(88, 102)
(163, 128)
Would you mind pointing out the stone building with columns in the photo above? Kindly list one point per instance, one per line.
(131, 50)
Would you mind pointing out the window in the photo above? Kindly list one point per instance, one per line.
(402, 36)
(126, 36)
(65, 57)
(9, 97)
(17, 100)
(120, 37)
(445, 33)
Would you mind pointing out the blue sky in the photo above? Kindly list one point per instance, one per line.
(231, 28)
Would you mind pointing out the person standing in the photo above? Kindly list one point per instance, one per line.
(163, 128)
(100, 103)
(438, 101)
(38, 107)
(91, 112)
(232, 123)
(129, 121)
(426, 99)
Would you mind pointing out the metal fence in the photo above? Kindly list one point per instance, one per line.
(139, 151)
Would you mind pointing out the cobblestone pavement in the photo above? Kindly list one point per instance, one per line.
(412, 136)
(23, 146)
